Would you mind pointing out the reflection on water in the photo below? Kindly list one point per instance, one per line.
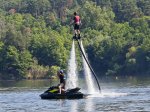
(89, 105)
(74, 107)
(118, 95)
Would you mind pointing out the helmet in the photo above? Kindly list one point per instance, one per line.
(61, 71)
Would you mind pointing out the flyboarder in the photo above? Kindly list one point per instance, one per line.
(77, 22)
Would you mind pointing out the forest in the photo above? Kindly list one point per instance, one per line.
(36, 38)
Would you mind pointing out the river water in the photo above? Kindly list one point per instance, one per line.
(118, 95)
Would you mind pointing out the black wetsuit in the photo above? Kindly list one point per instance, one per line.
(62, 81)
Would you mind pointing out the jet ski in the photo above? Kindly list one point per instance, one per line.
(53, 93)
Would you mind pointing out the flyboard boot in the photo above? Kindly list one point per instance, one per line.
(76, 37)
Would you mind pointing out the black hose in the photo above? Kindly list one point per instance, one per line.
(89, 65)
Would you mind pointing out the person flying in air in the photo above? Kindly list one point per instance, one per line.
(77, 22)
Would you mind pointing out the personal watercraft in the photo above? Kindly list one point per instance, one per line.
(53, 93)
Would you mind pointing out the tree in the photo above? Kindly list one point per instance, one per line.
(15, 38)
(94, 17)
(126, 10)
(49, 50)
(2, 27)
(13, 4)
(103, 3)
(140, 24)
(10, 60)
(25, 62)
(36, 7)
(145, 6)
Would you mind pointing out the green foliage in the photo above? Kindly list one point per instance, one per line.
(2, 26)
(50, 47)
(15, 38)
(35, 39)
(140, 25)
(126, 10)
(25, 62)
(53, 70)
(95, 17)
(145, 6)
(1, 53)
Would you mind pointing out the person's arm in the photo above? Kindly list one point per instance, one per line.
(72, 21)
(80, 21)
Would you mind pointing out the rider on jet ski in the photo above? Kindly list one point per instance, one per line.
(62, 83)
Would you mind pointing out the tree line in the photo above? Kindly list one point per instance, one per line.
(35, 36)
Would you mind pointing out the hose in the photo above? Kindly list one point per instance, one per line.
(89, 65)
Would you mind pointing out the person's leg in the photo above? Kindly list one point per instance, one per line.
(63, 87)
(78, 32)
(60, 89)
(75, 32)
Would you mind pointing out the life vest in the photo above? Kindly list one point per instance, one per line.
(77, 19)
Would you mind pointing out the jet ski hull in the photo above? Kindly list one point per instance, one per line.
(62, 96)
(68, 94)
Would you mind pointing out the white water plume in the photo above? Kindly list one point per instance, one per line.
(88, 74)
(72, 77)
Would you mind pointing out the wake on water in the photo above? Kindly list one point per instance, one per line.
(107, 94)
